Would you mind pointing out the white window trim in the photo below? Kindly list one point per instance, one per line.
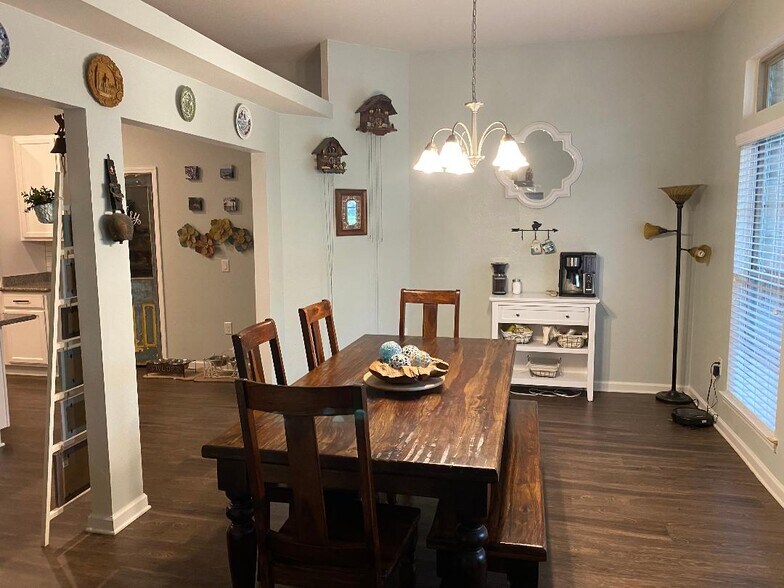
(751, 84)
(760, 132)
(765, 433)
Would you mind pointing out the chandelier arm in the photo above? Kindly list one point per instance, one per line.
(496, 126)
(465, 137)
(442, 130)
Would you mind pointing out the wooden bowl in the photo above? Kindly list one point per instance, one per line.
(408, 374)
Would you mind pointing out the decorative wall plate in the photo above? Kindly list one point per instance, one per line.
(243, 121)
(5, 45)
(105, 81)
(186, 103)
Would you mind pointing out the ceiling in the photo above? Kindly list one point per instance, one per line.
(267, 31)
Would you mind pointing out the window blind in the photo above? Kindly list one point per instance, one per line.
(758, 281)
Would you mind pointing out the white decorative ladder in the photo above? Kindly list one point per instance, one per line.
(65, 389)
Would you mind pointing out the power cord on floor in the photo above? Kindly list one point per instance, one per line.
(552, 392)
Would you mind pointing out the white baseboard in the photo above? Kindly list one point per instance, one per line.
(632, 387)
(115, 523)
(759, 469)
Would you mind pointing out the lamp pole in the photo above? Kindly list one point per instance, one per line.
(672, 396)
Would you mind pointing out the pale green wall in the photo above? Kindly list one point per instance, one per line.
(748, 27)
(633, 106)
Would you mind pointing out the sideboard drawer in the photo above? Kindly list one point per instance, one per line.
(23, 300)
(544, 315)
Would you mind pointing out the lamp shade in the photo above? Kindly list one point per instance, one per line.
(509, 157)
(451, 153)
(650, 231)
(701, 254)
(429, 161)
(680, 194)
(461, 167)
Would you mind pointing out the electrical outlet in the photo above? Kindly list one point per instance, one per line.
(716, 369)
(227, 328)
(225, 265)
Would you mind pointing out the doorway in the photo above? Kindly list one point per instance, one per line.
(144, 252)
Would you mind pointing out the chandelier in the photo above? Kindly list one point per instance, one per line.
(462, 150)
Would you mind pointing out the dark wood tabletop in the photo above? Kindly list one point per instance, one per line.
(457, 432)
(445, 444)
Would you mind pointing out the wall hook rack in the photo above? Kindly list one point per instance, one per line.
(536, 226)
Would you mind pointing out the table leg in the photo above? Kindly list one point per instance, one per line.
(241, 540)
(468, 565)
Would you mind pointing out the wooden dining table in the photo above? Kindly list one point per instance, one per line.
(444, 444)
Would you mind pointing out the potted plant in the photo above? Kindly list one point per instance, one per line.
(41, 200)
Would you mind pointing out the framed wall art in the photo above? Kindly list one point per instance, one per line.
(104, 81)
(231, 204)
(350, 212)
(195, 204)
(192, 173)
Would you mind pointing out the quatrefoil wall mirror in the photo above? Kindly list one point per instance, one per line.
(554, 165)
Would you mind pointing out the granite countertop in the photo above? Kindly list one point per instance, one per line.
(27, 283)
(10, 320)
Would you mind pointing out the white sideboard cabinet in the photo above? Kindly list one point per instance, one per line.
(537, 311)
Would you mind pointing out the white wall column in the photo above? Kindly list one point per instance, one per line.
(104, 291)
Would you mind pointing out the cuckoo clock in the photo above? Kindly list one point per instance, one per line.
(374, 115)
(328, 154)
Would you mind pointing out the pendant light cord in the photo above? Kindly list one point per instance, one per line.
(473, 54)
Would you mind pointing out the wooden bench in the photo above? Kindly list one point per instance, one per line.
(517, 539)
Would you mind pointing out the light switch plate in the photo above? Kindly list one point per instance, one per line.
(225, 267)
(227, 328)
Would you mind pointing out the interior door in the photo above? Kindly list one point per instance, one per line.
(34, 166)
(144, 268)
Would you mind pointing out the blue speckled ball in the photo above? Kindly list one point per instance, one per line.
(410, 351)
(421, 359)
(387, 350)
(399, 360)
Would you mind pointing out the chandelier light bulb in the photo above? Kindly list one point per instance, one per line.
(509, 157)
(429, 161)
(451, 154)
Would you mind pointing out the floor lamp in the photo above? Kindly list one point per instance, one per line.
(679, 195)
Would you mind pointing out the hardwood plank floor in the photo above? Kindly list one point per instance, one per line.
(621, 483)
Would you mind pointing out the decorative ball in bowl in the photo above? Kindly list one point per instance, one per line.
(406, 365)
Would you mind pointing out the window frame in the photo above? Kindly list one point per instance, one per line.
(764, 77)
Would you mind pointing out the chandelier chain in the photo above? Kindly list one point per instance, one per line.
(473, 54)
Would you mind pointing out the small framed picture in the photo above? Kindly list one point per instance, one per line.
(227, 172)
(195, 204)
(350, 212)
(231, 204)
(192, 172)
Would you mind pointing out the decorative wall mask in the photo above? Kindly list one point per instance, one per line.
(5, 45)
(227, 173)
(192, 172)
(328, 156)
(374, 115)
(221, 232)
(195, 204)
(104, 81)
(350, 212)
(117, 226)
(243, 121)
(186, 103)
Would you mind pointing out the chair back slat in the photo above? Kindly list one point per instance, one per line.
(430, 301)
(247, 344)
(309, 318)
(307, 540)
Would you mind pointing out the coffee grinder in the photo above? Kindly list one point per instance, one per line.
(577, 275)
(500, 281)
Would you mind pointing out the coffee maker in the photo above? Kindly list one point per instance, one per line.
(577, 275)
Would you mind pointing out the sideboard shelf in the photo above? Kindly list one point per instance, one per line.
(537, 311)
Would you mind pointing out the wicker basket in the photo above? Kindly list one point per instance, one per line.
(572, 340)
(520, 334)
(544, 368)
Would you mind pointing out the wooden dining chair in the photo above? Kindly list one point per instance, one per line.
(361, 544)
(247, 351)
(309, 318)
(430, 300)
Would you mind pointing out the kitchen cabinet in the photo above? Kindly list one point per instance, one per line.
(537, 311)
(34, 166)
(26, 345)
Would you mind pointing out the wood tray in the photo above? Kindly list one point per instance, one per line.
(408, 374)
